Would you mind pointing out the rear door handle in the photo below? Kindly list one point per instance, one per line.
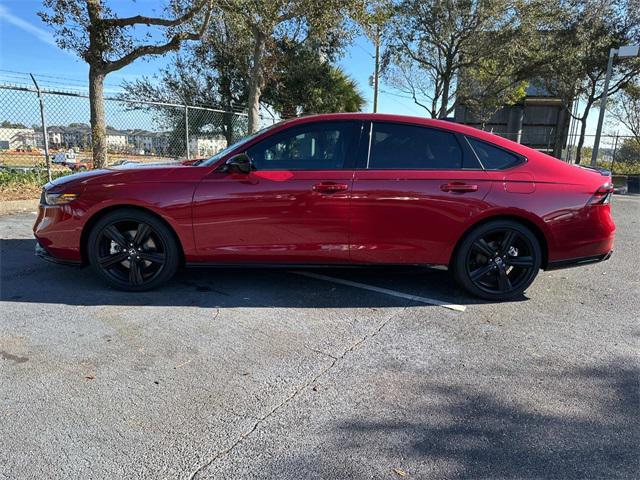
(330, 187)
(459, 187)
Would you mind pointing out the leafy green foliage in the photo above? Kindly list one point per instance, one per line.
(577, 36)
(303, 82)
(18, 184)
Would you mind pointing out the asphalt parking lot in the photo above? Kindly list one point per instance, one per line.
(231, 374)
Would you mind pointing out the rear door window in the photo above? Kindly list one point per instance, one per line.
(413, 147)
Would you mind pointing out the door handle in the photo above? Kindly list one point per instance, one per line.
(458, 187)
(330, 187)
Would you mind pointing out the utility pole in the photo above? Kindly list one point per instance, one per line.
(376, 79)
(628, 51)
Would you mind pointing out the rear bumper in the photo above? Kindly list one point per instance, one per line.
(41, 252)
(578, 262)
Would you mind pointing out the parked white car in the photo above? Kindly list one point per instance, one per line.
(64, 158)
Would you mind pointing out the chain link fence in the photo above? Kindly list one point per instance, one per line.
(137, 131)
(142, 131)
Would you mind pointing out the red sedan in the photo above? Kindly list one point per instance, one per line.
(339, 189)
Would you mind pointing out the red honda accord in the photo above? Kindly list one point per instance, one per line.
(339, 189)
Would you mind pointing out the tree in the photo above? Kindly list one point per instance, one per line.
(373, 20)
(271, 21)
(626, 109)
(582, 32)
(214, 75)
(629, 152)
(488, 86)
(432, 42)
(108, 43)
(303, 81)
(8, 124)
(210, 73)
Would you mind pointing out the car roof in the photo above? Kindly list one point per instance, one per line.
(427, 122)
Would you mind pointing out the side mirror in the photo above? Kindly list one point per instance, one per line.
(240, 163)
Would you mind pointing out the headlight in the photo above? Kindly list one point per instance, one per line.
(59, 198)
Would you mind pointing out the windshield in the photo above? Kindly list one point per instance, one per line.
(239, 143)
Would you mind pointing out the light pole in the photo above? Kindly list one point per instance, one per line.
(623, 52)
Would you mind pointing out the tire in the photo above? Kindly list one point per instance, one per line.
(497, 260)
(133, 250)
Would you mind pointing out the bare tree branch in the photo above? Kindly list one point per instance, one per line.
(163, 22)
(172, 44)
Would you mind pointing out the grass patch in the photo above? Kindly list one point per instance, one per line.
(24, 185)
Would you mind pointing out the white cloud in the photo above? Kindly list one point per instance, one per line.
(37, 32)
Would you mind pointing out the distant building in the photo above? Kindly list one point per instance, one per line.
(539, 121)
(54, 134)
(201, 146)
(141, 141)
(76, 135)
(116, 140)
(14, 138)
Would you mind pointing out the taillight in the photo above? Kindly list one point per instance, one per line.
(602, 195)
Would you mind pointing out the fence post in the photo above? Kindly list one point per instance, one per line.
(615, 150)
(186, 129)
(44, 128)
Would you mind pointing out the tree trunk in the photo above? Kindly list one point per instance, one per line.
(227, 104)
(583, 129)
(444, 104)
(227, 118)
(256, 82)
(96, 106)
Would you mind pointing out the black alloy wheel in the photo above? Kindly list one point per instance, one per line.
(133, 250)
(498, 260)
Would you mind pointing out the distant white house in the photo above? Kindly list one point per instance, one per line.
(140, 141)
(13, 138)
(116, 140)
(55, 135)
(201, 146)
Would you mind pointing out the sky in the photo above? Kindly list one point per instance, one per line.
(27, 45)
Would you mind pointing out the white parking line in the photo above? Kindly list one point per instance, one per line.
(385, 291)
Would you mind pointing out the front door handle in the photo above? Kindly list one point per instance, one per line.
(330, 187)
(459, 187)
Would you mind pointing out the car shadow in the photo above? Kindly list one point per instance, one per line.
(458, 429)
(27, 278)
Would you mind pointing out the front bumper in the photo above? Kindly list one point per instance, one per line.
(41, 252)
(578, 262)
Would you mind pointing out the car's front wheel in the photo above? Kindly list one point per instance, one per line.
(498, 260)
(133, 250)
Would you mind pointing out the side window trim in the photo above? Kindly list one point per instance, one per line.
(473, 151)
(470, 161)
(369, 146)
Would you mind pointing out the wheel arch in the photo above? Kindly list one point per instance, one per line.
(531, 225)
(88, 226)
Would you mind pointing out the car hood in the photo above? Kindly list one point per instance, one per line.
(76, 178)
(130, 173)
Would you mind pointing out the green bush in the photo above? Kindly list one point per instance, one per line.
(27, 178)
(17, 184)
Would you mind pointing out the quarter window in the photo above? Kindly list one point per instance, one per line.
(493, 158)
(319, 146)
(412, 147)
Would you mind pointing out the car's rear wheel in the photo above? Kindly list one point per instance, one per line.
(498, 260)
(133, 250)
